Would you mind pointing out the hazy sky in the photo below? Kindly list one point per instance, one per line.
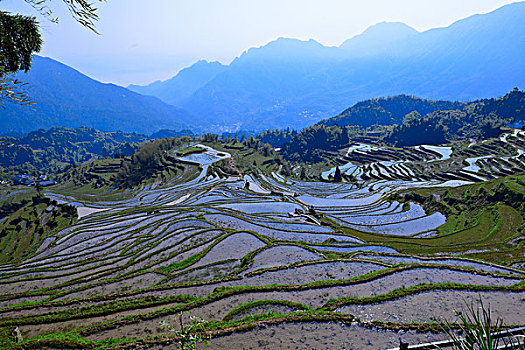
(146, 40)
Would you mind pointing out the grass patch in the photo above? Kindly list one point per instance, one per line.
(190, 150)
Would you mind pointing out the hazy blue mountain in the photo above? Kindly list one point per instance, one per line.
(293, 83)
(374, 39)
(178, 89)
(265, 86)
(66, 97)
(289, 82)
(477, 57)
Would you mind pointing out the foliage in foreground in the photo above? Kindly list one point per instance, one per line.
(19, 39)
(476, 331)
(188, 334)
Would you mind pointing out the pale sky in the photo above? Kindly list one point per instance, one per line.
(146, 40)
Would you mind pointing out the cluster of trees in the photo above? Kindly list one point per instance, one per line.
(209, 137)
(511, 106)
(151, 158)
(388, 110)
(258, 145)
(478, 120)
(417, 131)
(277, 138)
(406, 121)
(311, 144)
(239, 135)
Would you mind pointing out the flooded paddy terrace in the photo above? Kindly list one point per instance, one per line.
(306, 264)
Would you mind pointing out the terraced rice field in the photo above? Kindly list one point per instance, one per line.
(476, 162)
(271, 263)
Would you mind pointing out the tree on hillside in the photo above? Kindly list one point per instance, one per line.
(338, 177)
(304, 175)
(309, 144)
(20, 39)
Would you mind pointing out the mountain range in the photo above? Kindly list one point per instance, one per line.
(65, 97)
(288, 82)
(293, 83)
(178, 90)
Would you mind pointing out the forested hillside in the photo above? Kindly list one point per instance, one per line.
(407, 121)
(51, 151)
(477, 120)
(388, 110)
